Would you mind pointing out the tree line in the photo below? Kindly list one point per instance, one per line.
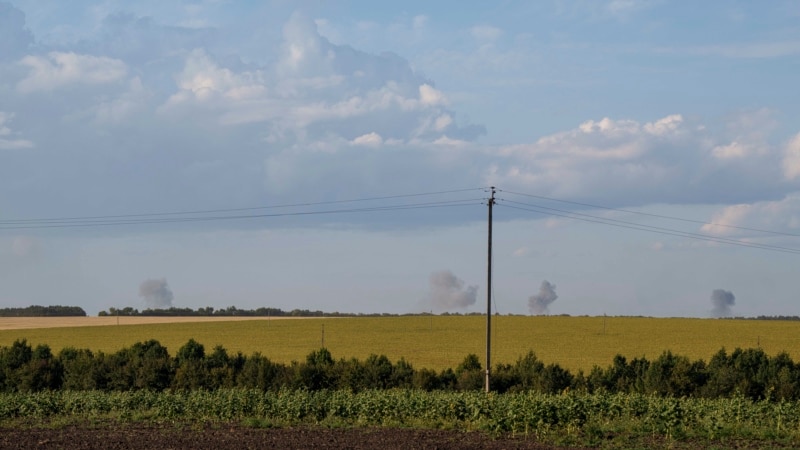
(148, 365)
(43, 311)
(209, 311)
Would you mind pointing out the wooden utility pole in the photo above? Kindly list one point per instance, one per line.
(489, 297)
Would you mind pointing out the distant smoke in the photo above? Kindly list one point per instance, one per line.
(538, 303)
(156, 293)
(447, 291)
(722, 301)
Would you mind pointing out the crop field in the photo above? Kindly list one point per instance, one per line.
(434, 342)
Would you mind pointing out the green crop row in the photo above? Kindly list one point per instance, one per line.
(568, 417)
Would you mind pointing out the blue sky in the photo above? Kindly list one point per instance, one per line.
(686, 110)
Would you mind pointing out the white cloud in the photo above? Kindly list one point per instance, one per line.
(123, 106)
(202, 82)
(369, 140)
(521, 252)
(7, 141)
(430, 96)
(666, 160)
(442, 122)
(316, 91)
(730, 151)
(59, 69)
(791, 158)
(780, 216)
(667, 125)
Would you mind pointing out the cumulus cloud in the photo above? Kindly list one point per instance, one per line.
(791, 158)
(319, 90)
(781, 216)
(310, 114)
(369, 140)
(670, 160)
(449, 292)
(204, 82)
(59, 69)
(156, 293)
(539, 303)
(7, 139)
(721, 302)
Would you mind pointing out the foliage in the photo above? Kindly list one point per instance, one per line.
(575, 419)
(43, 311)
(749, 373)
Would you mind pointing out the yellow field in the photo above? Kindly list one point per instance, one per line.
(434, 342)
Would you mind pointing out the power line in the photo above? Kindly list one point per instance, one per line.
(659, 216)
(228, 210)
(647, 228)
(130, 220)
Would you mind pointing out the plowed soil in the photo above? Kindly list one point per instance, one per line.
(139, 436)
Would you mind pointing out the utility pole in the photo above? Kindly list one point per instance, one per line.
(489, 296)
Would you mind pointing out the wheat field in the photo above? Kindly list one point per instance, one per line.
(434, 342)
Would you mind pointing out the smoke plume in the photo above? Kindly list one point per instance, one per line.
(156, 293)
(448, 291)
(538, 303)
(722, 300)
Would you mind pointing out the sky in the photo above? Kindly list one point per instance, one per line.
(337, 155)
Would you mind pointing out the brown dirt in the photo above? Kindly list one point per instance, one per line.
(141, 436)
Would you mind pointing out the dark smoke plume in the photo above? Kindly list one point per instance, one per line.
(156, 293)
(722, 300)
(448, 291)
(538, 303)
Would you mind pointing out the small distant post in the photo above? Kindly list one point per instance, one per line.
(323, 335)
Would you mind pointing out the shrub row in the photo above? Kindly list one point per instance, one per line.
(750, 373)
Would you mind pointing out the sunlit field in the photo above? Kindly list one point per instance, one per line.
(434, 342)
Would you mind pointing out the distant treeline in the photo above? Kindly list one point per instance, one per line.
(234, 311)
(209, 311)
(749, 373)
(769, 318)
(43, 311)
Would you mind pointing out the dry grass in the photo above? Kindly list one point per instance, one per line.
(435, 342)
(21, 323)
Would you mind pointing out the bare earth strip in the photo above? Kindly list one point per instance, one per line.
(24, 323)
(136, 436)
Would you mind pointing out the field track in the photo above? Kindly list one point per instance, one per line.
(22, 323)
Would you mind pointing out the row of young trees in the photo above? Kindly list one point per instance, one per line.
(148, 365)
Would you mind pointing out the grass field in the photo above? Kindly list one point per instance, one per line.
(434, 342)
